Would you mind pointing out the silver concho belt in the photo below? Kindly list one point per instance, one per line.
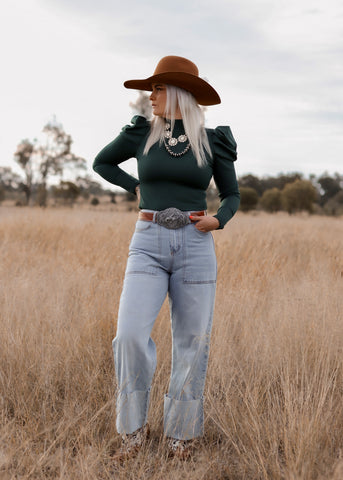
(172, 218)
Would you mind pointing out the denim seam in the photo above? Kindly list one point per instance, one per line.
(199, 282)
(140, 272)
(201, 398)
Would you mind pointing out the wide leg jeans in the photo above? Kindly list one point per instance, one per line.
(182, 264)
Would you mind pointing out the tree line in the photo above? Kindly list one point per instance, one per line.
(48, 159)
(293, 193)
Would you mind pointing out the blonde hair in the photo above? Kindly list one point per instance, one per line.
(193, 120)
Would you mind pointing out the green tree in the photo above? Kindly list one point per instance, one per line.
(271, 200)
(267, 183)
(54, 155)
(41, 159)
(251, 181)
(249, 198)
(299, 195)
(329, 187)
(334, 206)
(280, 181)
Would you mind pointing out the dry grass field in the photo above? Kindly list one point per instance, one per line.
(274, 393)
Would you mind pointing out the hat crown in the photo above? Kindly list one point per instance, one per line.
(172, 63)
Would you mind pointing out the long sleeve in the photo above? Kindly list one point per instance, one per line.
(224, 175)
(123, 147)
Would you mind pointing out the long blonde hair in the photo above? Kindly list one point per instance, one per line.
(193, 120)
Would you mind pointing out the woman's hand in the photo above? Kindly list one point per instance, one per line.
(205, 223)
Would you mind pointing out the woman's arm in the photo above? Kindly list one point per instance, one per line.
(120, 149)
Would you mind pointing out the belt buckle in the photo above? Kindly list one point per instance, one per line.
(172, 218)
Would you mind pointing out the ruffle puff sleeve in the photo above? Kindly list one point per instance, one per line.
(122, 148)
(224, 149)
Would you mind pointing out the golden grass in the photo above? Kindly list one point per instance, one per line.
(275, 380)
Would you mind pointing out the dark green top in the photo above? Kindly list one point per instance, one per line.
(166, 181)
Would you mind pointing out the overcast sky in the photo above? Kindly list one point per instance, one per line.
(277, 65)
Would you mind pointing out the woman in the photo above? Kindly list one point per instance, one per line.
(171, 251)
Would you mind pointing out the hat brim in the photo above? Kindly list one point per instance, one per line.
(199, 88)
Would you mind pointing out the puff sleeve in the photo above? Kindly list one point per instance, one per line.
(224, 149)
(123, 147)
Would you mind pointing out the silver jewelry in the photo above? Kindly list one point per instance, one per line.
(172, 142)
(172, 218)
(174, 154)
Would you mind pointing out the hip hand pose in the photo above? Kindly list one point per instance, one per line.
(171, 251)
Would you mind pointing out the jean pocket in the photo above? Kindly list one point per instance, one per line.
(139, 263)
(200, 264)
(145, 237)
(142, 226)
(199, 232)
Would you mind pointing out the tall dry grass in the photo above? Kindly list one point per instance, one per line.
(275, 379)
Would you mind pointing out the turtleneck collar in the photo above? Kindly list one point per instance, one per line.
(178, 124)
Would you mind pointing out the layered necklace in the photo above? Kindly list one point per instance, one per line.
(172, 142)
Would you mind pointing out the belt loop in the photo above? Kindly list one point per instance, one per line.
(154, 217)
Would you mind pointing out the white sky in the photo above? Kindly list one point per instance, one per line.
(277, 65)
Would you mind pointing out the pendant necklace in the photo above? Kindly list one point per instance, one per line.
(172, 142)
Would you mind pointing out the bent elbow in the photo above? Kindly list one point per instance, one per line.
(95, 166)
(96, 162)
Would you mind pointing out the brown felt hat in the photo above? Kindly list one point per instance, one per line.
(179, 72)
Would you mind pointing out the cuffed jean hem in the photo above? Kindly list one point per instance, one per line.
(132, 411)
(183, 420)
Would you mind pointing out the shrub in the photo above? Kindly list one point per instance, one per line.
(298, 196)
(95, 201)
(271, 200)
(249, 198)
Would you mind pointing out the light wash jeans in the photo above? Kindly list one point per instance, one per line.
(182, 263)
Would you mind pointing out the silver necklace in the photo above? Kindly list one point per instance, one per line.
(172, 142)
